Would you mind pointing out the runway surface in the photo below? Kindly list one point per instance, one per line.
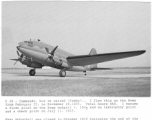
(121, 82)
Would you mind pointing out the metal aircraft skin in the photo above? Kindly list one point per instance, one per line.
(36, 54)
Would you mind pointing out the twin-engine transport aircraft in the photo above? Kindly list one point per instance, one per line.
(36, 54)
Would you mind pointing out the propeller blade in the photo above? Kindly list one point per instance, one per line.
(21, 55)
(47, 50)
(53, 61)
(46, 59)
(50, 55)
(16, 61)
(18, 53)
(52, 52)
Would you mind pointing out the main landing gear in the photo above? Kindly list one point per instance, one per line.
(32, 72)
(62, 73)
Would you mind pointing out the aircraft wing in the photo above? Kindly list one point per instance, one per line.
(83, 60)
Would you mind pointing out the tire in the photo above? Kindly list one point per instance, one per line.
(32, 72)
(62, 73)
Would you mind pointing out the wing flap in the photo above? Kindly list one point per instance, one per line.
(83, 60)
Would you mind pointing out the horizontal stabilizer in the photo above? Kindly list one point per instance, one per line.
(101, 68)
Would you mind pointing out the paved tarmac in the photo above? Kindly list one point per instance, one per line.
(126, 82)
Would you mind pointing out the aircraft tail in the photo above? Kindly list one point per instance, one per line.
(94, 66)
(93, 52)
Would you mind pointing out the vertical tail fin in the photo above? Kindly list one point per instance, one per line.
(93, 52)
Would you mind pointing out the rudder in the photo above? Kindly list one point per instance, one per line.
(93, 52)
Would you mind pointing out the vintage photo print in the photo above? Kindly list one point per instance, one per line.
(89, 49)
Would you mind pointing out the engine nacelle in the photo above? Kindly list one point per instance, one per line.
(35, 65)
(60, 62)
(27, 61)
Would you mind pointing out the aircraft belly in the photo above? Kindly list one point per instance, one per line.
(76, 68)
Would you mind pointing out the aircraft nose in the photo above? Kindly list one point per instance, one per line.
(20, 43)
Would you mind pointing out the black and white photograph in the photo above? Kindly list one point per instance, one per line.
(76, 48)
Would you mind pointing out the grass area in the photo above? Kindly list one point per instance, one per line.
(88, 87)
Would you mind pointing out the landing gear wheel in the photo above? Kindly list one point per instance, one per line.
(62, 73)
(85, 73)
(32, 72)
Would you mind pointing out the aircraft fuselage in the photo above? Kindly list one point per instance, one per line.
(36, 51)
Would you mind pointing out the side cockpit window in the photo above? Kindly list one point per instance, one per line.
(29, 43)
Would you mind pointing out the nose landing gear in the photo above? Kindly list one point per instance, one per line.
(62, 73)
(32, 72)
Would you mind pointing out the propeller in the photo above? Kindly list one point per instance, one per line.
(51, 54)
(19, 57)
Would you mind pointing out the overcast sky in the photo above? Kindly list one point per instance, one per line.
(77, 27)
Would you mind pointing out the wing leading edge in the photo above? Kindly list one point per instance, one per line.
(83, 60)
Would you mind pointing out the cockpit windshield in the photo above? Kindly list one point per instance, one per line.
(29, 43)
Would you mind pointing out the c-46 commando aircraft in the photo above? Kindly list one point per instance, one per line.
(36, 54)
